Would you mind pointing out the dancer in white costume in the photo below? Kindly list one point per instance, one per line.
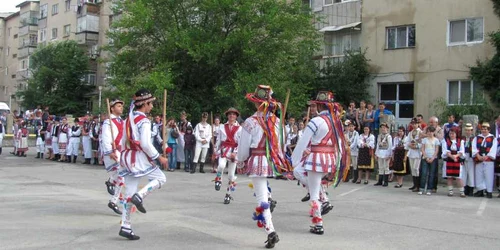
(226, 149)
(320, 150)
(111, 144)
(139, 158)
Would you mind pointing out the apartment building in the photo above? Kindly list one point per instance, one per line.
(339, 22)
(421, 51)
(9, 37)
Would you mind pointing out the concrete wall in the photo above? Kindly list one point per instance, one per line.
(431, 63)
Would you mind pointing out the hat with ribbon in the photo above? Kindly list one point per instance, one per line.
(485, 125)
(323, 97)
(115, 101)
(468, 126)
(263, 93)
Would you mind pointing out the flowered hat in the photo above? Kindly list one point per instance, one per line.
(143, 96)
(323, 97)
(263, 93)
(115, 101)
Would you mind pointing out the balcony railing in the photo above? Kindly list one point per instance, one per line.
(87, 38)
(29, 42)
(28, 29)
(29, 18)
(24, 52)
(22, 75)
(88, 23)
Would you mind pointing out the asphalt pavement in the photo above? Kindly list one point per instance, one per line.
(48, 205)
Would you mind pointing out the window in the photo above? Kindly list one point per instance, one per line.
(8, 51)
(337, 43)
(43, 35)
(463, 92)
(67, 30)
(400, 37)
(465, 31)
(398, 98)
(330, 2)
(89, 79)
(13, 76)
(8, 32)
(54, 33)
(14, 55)
(88, 104)
(15, 36)
(55, 9)
(43, 11)
(68, 5)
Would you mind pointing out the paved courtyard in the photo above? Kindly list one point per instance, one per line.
(47, 205)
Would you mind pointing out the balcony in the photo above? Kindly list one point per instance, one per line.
(87, 38)
(23, 75)
(87, 23)
(42, 23)
(29, 41)
(338, 14)
(28, 29)
(28, 18)
(89, 7)
(24, 52)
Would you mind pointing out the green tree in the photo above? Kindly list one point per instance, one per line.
(347, 79)
(487, 72)
(208, 54)
(57, 72)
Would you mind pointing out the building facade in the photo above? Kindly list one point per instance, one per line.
(421, 51)
(9, 42)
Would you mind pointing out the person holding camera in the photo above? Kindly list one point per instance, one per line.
(173, 135)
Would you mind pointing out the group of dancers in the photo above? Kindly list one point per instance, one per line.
(318, 159)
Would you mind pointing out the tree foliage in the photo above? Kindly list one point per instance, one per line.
(208, 54)
(57, 72)
(487, 72)
(481, 108)
(348, 79)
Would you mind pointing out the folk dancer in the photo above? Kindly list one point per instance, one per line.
(260, 147)
(86, 140)
(399, 157)
(55, 140)
(112, 145)
(48, 136)
(453, 156)
(63, 138)
(484, 150)
(40, 140)
(226, 150)
(413, 146)
(468, 166)
(22, 138)
(2, 135)
(366, 145)
(320, 149)
(383, 155)
(74, 141)
(15, 129)
(352, 137)
(202, 133)
(94, 136)
(139, 158)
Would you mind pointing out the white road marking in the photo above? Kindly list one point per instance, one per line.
(482, 207)
(352, 191)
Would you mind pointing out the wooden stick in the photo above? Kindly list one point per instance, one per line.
(308, 114)
(284, 119)
(164, 124)
(286, 103)
(212, 125)
(111, 126)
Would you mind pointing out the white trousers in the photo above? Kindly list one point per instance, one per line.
(262, 195)
(314, 181)
(40, 147)
(87, 147)
(118, 181)
(73, 146)
(156, 179)
(301, 174)
(354, 162)
(485, 172)
(197, 152)
(230, 173)
(415, 166)
(383, 166)
(55, 145)
(1, 138)
(468, 172)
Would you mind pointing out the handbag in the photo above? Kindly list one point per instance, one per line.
(174, 134)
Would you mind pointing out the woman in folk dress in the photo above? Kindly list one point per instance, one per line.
(366, 145)
(399, 165)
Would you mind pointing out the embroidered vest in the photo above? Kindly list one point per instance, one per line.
(484, 148)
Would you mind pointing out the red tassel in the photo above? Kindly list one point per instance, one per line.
(259, 209)
(259, 224)
(316, 220)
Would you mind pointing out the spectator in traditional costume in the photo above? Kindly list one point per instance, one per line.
(74, 141)
(413, 146)
(484, 150)
(352, 137)
(453, 156)
(22, 138)
(468, 165)
(399, 156)
(203, 134)
(366, 145)
(40, 140)
(63, 138)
